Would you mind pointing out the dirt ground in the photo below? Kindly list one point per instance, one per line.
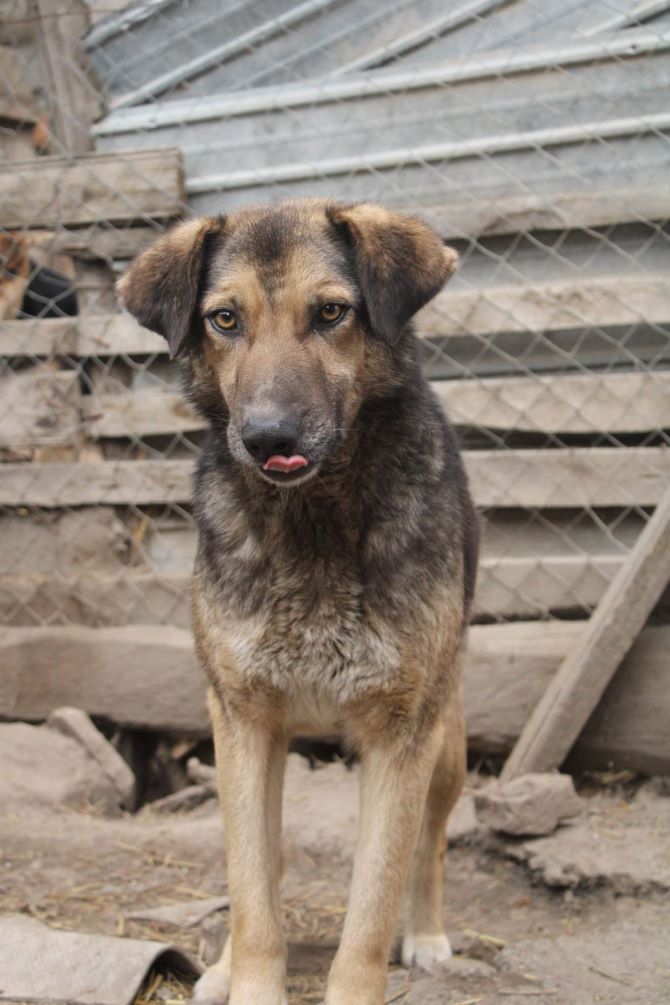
(582, 916)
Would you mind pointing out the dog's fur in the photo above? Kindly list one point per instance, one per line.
(335, 602)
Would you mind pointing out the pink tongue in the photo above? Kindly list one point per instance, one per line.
(279, 463)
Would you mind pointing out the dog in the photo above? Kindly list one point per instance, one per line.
(336, 560)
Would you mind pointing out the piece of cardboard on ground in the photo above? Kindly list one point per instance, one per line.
(42, 964)
(183, 915)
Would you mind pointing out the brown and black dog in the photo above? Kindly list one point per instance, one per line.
(336, 561)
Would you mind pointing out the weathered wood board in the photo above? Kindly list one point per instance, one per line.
(620, 301)
(87, 483)
(448, 357)
(39, 408)
(637, 686)
(569, 477)
(507, 587)
(104, 241)
(15, 112)
(148, 677)
(565, 207)
(572, 477)
(70, 568)
(62, 543)
(508, 668)
(601, 403)
(145, 412)
(72, 100)
(61, 191)
(597, 403)
(523, 587)
(547, 307)
(16, 100)
(105, 335)
(584, 674)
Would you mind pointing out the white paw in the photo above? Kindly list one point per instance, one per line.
(213, 987)
(425, 951)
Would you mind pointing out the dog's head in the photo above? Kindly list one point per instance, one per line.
(289, 317)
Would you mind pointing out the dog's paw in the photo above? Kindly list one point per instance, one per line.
(425, 951)
(213, 988)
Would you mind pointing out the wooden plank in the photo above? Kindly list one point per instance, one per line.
(613, 301)
(39, 409)
(145, 412)
(515, 587)
(96, 599)
(63, 543)
(609, 403)
(119, 334)
(576, 477)
(636, 692)
(140, 677)
(72, 100)
(147, 677)
(570, 477)
(584, 674)
(139, 483)
(645, 347)
(104, 335)
(97, 241)
(508, 667)
(565, 208)
(62, 191)
(548, 307)
(16, 112)
(16, 101)
(70, 567)
(487, 215)
(518, 587)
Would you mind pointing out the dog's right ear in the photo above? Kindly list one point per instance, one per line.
(161, 286)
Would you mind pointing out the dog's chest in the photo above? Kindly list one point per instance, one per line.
(305, 624)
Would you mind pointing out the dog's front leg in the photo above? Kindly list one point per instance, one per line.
(250, 757)
(394, 782)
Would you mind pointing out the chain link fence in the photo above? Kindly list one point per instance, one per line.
(532, 134)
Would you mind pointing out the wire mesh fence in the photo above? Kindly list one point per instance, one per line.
(532, 134)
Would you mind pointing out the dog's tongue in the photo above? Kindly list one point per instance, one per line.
(280, 463)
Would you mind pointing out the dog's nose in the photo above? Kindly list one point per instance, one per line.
(264, 438)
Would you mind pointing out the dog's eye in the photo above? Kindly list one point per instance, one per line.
(330, 313)
(223, 321)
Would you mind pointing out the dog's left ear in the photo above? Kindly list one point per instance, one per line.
(400, 263)
(161, 286)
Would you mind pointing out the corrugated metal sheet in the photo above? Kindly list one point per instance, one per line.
(173, 48)
(460, 127)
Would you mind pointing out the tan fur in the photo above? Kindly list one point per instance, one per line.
(14, 274)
